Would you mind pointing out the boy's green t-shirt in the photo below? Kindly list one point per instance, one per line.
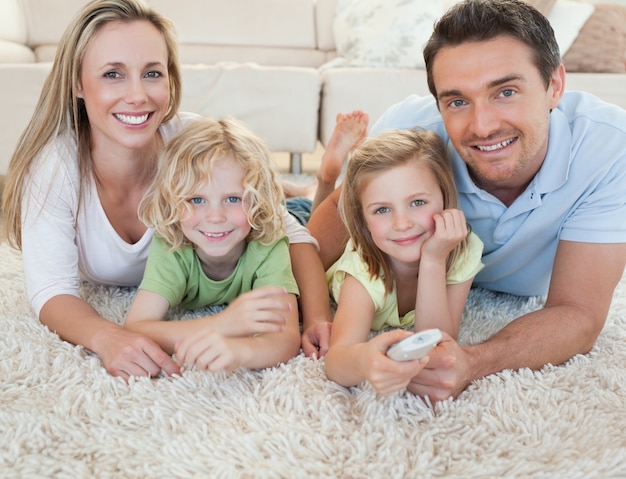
(178, 275)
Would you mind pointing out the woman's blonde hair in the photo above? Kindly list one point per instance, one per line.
(59, 110)
(186, 163)
(376, 155)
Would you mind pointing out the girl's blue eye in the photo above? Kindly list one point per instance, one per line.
(381, 210)
(233, 199)
(195, 201)
(418, 202)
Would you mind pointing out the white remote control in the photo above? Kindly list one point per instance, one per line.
(415, 346)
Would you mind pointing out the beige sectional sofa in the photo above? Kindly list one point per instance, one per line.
(260, 60)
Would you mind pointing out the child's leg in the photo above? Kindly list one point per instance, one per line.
(298, 190)
(350, 131)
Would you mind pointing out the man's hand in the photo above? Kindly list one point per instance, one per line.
(446, 374)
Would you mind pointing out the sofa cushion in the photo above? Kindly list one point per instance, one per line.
(601, 43)
(269, 56)
(21, 87)
(12, 23)
(544, 6)
(279, 104)
(324, 19)
(196, 22)
(249, 23)
(11, 52)
(372, 90)
(567, 17)
(46, 21)
(598, 44)
(384, 33)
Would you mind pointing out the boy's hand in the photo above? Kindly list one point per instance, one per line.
(209, 351)
(257, 311)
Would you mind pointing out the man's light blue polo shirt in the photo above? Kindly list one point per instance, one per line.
(579, 194)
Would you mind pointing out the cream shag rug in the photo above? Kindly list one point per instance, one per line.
(63, 416)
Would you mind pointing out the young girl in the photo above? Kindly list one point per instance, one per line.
(219, 238)
(410, 260)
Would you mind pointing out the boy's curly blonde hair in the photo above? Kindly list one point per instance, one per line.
(186, 163)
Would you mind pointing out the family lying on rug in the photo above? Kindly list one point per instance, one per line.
(504, 182)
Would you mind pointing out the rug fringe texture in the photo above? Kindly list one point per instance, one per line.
(62, 415)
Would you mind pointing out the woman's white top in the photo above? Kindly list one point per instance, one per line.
(63, 245)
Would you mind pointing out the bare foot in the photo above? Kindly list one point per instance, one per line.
(350, 131)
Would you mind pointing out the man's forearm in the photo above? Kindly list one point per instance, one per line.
(550, 335)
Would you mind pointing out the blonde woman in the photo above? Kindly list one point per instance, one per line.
(410, 261)
(219, 239)
(81, 168)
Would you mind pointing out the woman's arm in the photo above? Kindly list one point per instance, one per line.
(123, 353)
(50, 252)
(314, 300)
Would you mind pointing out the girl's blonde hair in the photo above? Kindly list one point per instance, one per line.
(376, 155)
(59, 110)
(186, 163)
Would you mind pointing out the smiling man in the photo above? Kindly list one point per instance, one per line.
(539, 173)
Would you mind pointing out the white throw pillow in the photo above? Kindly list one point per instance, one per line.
(384, 33)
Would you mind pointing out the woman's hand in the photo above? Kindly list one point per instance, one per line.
(126, 353)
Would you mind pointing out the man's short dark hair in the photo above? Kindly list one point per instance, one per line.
(483, 20)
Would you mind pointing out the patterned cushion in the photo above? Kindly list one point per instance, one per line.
(384, 33)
